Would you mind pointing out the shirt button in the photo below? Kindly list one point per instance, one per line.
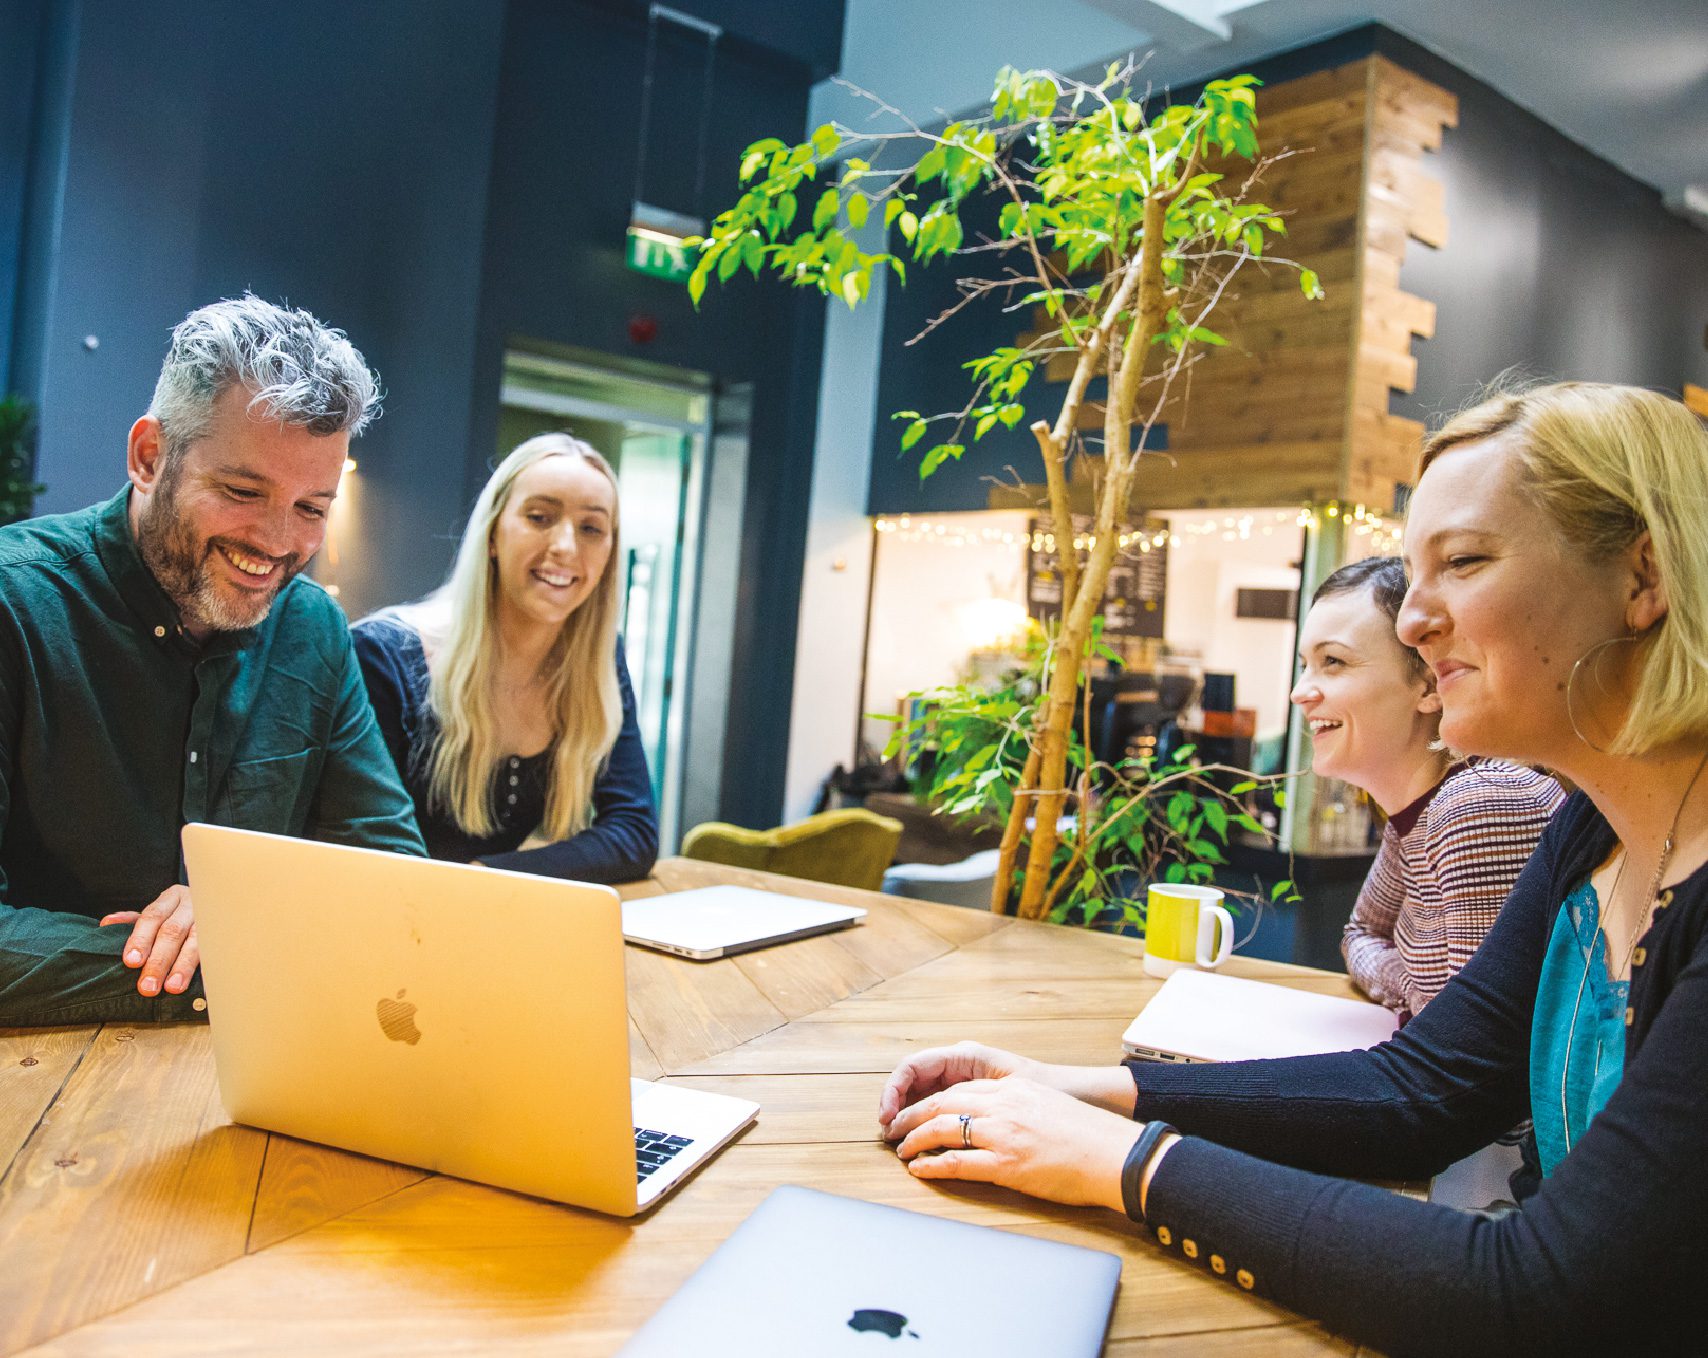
(1164, 1235)
(1245, 1280)
(514, 780)
(1189, 1248)
(511, 799)
(199, 1005)
(192, 756)
(1218, 1264)
(515, 763)
(159, 631)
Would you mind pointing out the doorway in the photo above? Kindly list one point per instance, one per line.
(654, 426)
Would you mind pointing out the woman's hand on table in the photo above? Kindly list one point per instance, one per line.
(939, 1068)
(1019, 1134)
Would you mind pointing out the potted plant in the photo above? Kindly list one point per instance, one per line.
(18, 486)
(1119, 220)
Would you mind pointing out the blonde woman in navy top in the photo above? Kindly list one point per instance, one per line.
(504, 698)
(1557, 549)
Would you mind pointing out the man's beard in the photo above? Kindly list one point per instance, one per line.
(185, 567)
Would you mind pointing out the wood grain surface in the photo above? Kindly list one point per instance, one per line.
(136, 1219)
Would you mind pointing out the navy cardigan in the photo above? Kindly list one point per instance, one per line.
(620, 845)
(1604, 1257)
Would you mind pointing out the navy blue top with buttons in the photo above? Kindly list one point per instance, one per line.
(621, 843)
(1603, 1257)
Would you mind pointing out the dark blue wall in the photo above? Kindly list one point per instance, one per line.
(437, 178)
(1556, 262)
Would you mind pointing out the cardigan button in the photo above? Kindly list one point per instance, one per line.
(1664, 899)
(1630, 1017)
(1189, 1248)
(1639, 957)
(1218, 1264)
(1245, 1280)
(159, 631)
(1164, 1235)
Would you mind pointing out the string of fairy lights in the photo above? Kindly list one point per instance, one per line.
(952, 531)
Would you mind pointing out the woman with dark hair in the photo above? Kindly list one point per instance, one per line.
(1557, 551)
(1458, 832)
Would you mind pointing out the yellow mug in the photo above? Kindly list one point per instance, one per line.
(1181, 924)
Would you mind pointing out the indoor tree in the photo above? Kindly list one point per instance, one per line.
(1125, 219)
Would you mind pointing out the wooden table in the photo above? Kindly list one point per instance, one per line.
(135, 1218)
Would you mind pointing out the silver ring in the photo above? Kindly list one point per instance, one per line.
(966, 1131)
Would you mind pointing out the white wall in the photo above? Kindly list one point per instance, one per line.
(834, 578)
(934, 604)
(1205, 572)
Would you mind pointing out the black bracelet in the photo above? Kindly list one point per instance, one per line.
(1133, 1171)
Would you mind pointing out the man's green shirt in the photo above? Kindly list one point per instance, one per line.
(116, 730)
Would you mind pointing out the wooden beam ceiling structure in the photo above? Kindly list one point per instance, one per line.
(1295, 409)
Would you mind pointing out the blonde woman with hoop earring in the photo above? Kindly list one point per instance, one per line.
(503, 696)
(1544, 525)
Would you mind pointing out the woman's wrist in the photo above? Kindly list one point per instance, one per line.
(1143, 1153)
(1107, 1087)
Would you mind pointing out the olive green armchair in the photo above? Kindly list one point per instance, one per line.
(850, 847)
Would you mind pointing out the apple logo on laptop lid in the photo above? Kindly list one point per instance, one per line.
(882, 1322)
(397, 1019)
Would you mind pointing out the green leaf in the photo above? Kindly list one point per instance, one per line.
(853, 288)
(1174, 873)
(826, 139)
(1309, 285)
(1246, 786)
(728, 262)
(697, 282)
(1217, 816)
(984, 426)
(909, 225)
(1280, 796)
(893, 209)
(858, 206)
(938, 456)
(912, 434)
(825, 212)
(1276, 890)
(750, 164)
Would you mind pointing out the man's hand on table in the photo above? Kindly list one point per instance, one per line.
(162, 943)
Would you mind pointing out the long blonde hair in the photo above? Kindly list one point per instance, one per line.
(1609, 463)
(581, 669)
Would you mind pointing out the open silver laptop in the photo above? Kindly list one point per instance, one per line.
(813, 1274)
(1199, 1016)
(466, 1020)
(715, 921)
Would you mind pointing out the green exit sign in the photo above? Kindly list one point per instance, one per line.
(658, 255)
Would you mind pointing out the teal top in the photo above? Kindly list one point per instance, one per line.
(116, 729)
(1577, 1040)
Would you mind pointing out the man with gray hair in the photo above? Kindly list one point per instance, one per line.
(161, 662)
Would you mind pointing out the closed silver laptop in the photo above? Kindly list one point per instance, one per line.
(466, 1020)
(813, 1274)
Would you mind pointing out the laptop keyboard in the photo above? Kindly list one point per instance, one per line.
(653, 1150)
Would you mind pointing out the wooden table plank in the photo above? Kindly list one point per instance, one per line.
(34, 1066)
(303, 1185)
(806, 976)
(133, 1181)
(687, 1010)
(813, 1047)
(449, 1267)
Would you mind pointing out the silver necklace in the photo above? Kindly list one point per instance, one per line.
(1644, 915)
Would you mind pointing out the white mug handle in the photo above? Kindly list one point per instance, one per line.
(1208, 917)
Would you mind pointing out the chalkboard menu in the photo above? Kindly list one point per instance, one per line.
(1138, 578)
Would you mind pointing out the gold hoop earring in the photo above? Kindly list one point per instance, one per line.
(1571, 679)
